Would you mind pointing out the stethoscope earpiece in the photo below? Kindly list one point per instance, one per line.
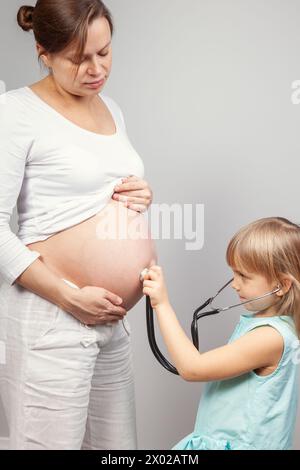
(278, 289)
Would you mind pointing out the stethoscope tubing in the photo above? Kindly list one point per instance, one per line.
(194, 328)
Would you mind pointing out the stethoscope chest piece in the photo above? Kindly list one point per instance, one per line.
(143, 273)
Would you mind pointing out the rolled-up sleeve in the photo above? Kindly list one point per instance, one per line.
(15, 257)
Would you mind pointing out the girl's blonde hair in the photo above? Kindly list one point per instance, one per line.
(271, 247)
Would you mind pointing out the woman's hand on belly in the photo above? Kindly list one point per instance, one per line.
(135, 193)
(93, 305)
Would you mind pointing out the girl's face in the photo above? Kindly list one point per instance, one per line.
(252, 285)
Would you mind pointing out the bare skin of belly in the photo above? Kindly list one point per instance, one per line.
(108, 250)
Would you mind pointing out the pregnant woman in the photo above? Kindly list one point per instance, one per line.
(71, 273)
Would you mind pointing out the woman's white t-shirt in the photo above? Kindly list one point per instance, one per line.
(57, 173)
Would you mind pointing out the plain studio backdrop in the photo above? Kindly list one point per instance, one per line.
(205, 87)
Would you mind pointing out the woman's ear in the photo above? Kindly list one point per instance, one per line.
(285, 284)
(44, 56)
(38, 47)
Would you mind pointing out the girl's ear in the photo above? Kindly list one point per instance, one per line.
(285, 283)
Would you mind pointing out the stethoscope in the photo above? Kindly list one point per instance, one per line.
(194, 326)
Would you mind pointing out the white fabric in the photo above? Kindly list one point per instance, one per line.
(58, 173)
(64, 386)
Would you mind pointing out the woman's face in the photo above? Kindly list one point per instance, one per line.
(96, 64)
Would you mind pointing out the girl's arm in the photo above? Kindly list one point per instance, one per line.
(261, 347)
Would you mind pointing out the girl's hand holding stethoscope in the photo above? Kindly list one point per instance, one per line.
(155, 287)
(135, 193)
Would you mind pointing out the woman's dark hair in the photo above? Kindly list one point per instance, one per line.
(56, 24)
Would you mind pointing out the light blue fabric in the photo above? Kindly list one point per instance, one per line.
(250, 412)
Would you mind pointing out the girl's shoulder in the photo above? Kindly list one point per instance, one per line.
(283, 324)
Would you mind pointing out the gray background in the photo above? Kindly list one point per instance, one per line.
(205, 87)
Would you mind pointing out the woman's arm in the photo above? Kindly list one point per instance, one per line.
(19, 264)
(260, 347)
(39, 279)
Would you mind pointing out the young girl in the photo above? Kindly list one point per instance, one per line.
(250, 401)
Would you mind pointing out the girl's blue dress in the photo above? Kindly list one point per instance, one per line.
(251, 411)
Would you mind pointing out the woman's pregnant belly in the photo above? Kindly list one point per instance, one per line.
(108, 250)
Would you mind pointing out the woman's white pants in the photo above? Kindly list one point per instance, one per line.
(63, 385)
